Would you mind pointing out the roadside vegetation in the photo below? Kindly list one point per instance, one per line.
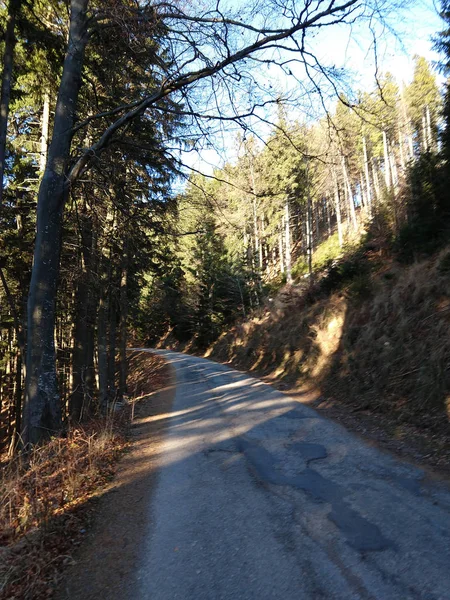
(48, 497)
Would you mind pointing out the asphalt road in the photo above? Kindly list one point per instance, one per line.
(261, 498)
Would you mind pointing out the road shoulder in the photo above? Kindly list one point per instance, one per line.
(106, 563)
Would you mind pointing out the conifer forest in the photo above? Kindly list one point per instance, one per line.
(112, 235)
(225, 262)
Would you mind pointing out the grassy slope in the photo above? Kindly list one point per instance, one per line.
(374, 335)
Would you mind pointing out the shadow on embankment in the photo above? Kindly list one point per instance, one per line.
(372, 335)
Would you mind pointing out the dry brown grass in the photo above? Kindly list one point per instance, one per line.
(395, 349)
(385, 349)
(40, 498)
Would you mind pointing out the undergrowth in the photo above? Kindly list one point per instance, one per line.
(371, 333)
(41, 499)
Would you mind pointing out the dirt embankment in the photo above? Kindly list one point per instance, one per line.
(375, 355)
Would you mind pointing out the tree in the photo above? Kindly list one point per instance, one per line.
(184, 37)
(424, 103)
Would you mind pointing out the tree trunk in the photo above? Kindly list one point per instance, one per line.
(328, 214)
(309, 233)
(44, 132)
(337, 203)
(366, 173)
(124, 320)
(402, 153)
(280, 250)
(80, 397)
(112, 342)
(387, 169)
(42, 411)
(424, 132)
(102, 348)
(429, 130)
(348, 187)
(287, 236)
(376, 183)
(8, 61)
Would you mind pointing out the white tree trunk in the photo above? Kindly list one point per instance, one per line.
(44, 133)
(387, 170)
(348, 187)
(366, 173)
(280, 250)
(337, 205)
(429, 132)
(287, 237)
(400, 144)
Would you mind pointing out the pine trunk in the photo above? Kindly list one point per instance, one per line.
(44, 133)
(348, 187)
(124, 320)
(387, 169)
(82, 332)
(337, 203)
(367, 176)
(8, 61)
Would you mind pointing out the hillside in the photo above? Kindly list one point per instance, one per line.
(373, 336)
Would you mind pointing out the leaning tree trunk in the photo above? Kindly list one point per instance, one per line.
(42, 411)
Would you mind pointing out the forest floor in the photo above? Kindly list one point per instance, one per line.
(53, 504)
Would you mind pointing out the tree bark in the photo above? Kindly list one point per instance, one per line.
(112, 343)
(82, 331)
(280, 250)
(309, 224)
(102, 349)
(429, 129)
(387, 168)
(366, 173)
(42, 410)
(44, 132)
(348, 187)
(8, 61)
(337, 202)
(124, 319)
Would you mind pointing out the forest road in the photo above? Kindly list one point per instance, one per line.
(261, 498)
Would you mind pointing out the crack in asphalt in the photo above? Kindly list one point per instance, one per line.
(359, 533)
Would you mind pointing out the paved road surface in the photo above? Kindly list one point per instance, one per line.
(261, 498)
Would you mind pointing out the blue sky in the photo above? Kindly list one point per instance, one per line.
(408, 31)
